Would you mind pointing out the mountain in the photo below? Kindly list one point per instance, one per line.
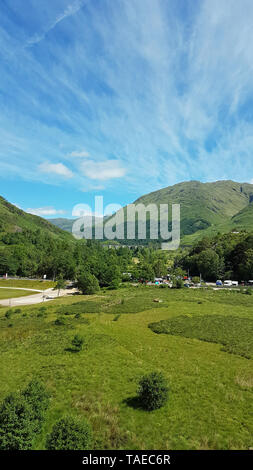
(15, 220)
(64, 224)
(206, 208)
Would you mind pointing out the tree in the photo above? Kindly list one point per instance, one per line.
(69, 434)
(146, 272)
(160, 267)
(88, 284)
(209, 264)
(60, 284)
(153, 391)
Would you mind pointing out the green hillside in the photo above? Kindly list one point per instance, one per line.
(244, 218)
(14, 220)
(204, 205)
(206, 208)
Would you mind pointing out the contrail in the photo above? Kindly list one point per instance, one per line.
(71, 10)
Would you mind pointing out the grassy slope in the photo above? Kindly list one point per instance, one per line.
(210, 204)
(29, 284)
(13, 219)
(206, 208)
(11, 293)
(244, 218)
(210, 402)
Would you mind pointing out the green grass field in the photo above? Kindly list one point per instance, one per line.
(27, 284)
(210, 400)
(11, 293)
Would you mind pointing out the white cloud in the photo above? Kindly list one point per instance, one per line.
(45, 211)
(104, 170)
(55, 169)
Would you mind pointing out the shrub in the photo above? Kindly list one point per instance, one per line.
(248, 291)
(37, 396)
(60, 321)
(42, 309)
(196, 280)
(21, 417)
(77, 343)
(114, 284)
(8, 314)
(153, 391)
(18, 310)
(69, 434)
(88, 284)
(16, 424)
(177, 283)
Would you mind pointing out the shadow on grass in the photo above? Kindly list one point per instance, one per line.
(133, 402)
(72, 350)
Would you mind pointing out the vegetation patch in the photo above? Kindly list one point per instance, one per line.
(234, 333)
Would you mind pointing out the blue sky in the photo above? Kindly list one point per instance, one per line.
(122, 97)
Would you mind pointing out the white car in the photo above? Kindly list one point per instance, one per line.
(228, 283)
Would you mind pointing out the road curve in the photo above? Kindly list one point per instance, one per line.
(36, 298)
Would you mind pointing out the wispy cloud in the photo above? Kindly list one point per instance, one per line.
(163, 90)
(45, 211)
(70, 10)
(55, 169)
(105, 170)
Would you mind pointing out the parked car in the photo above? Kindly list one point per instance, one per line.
(228, 283)
(219, 283)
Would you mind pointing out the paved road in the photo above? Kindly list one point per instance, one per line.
(36, 298)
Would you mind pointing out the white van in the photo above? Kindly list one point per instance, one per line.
(235, 283)
(228, 283)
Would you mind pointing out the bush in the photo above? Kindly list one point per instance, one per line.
(69, 434)
(18, 310)
(8, 314)
(77, 343)
(16, 424)
(88, 284)
(153, 391)
(60, 321)
(114, 284)
(177, 283)
(37, 396)
(22, 416)
(248, 291)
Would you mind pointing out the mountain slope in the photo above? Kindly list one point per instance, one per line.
(244, 218)
(13, 219)
(63, 223)
(206, 208)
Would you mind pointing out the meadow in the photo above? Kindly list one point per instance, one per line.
(210, 399)
(11, 293)
(27, 284)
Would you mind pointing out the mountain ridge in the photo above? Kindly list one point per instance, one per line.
(206, 208)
